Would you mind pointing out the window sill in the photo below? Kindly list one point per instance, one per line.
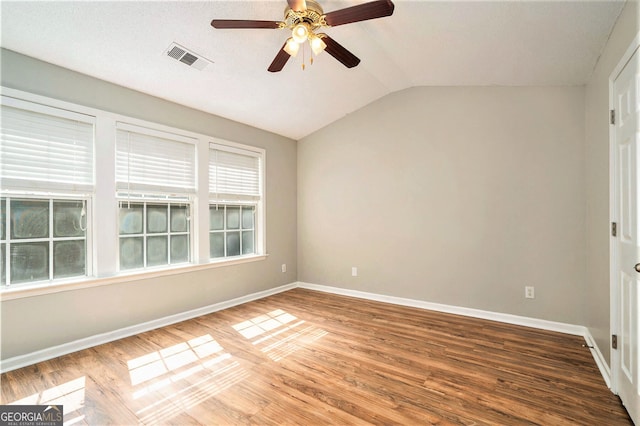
(26, 290)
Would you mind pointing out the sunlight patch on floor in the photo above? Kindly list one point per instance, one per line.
(189, 396)
(172, 380)
(263, 323)
(159, 363)
(277, 335)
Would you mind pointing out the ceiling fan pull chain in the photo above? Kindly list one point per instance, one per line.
(303, 59)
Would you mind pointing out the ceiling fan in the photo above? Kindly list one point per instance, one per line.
(304, 18)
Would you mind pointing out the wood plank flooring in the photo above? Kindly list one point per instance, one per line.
(305, 357)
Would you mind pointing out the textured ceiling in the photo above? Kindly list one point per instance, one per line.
(449, 43)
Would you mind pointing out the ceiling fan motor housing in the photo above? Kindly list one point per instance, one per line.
(313, 16)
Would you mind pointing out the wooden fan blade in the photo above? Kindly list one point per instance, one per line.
(297, 5)
(361, 12)
(280, 60)
(336, 50)
(243, 23)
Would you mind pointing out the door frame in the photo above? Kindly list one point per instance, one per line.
(614, 217)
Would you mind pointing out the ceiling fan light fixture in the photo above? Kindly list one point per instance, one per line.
(292, 47)
(300, 32)
(317, 45)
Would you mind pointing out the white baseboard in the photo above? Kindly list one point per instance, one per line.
(560, 327)
(598, 358)
(66, 348)
(99, 339)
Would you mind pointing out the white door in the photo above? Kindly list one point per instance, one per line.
(625, 90)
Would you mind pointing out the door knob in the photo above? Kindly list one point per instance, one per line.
(637, 267)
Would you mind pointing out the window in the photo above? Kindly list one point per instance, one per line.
(47, 181)
(231, 230)
(148, 185)
(42, 239)
(155, 174)
(235, 201)
(153, 234)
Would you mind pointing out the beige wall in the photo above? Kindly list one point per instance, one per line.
(35, 323)
(454, 195)
(597, 177)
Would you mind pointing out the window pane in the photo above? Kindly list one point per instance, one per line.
(130, 219)
(216, 218)
(29, 219)
(29, 262)
(247, 217)
(67, 219)
(156, 218)
(68, 258)
(233, 243)
(179, 222)
(157, 251)
(179, 248)
(3, 269)
(247, 242)
(233, 217)
(216, 244)
(131, 252)
(3, 218)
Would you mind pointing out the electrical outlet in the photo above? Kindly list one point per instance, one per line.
(284, 267)
(529, 292)
(354, 271)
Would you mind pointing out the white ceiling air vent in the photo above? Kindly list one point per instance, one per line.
(187, 57)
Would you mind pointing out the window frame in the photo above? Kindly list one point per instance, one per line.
(168, 201)
(131, 191)
(259, 203)
(50, 239)
(225, 230)
(51, 191)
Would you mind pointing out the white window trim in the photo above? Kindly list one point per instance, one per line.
(105, 236)
(39, 289)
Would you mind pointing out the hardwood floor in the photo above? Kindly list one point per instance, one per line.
(305, 357)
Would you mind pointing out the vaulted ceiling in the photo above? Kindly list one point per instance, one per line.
(434, 43)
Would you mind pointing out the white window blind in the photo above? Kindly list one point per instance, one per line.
(45, 148)
(234, 174)
(151, 160)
